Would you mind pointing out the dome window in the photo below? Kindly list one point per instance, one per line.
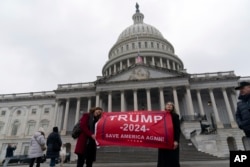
(133, 45)
(152, 44)
(146, 45)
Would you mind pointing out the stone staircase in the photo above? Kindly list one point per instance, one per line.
(218, 144)
(188, 152)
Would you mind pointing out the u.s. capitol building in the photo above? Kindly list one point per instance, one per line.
(142, 73)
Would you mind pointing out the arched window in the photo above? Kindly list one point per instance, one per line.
(30, 127)
(15, 127)
(44, 124)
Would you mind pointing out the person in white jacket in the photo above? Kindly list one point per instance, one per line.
(62, 154)
(35, 150)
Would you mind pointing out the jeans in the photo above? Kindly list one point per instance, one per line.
(7, 159)
(52, 162)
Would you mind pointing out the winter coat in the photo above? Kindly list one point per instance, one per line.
(53, 140)
(168, 157)
(243, 112)
(85, 134)
(35, 148)
(9, 151)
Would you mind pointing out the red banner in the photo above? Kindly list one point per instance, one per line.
(140, 129)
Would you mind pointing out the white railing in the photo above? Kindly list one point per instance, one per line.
(27, 95)
(75, 85)
(214, 74)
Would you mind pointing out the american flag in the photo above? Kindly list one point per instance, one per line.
(139, 59)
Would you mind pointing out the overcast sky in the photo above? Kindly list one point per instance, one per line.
(44, 43)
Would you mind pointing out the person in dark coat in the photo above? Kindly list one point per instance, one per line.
(243, 108)
(54, 144)
(86, 145)
(170, 157)
(9, 154)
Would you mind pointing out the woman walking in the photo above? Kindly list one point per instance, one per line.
(35, 150)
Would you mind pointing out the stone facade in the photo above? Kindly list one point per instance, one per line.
(142, 73)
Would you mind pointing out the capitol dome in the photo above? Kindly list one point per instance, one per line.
(138, 29)
(144, 40)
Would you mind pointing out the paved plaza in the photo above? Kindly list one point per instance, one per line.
(221, 163)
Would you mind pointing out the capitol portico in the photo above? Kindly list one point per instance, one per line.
(142, 73)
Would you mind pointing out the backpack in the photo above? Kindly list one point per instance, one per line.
(76, 131)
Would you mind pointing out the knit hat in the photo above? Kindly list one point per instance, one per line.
(41, 129)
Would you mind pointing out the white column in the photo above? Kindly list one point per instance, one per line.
(229, 111)
(66, 115)
(122, 102)
(128, 62)
(174, 66)
(153, 61)
(144, 60)
(200, 102)
(215, 111)
(135, 100)
(114, 68)
(161, 62)
(148, 100)
(89, 104)
(234, 99)
(78, 103)
(120, 65)
(109, 101)
(56, 114)
(176, 102)
(162, 103)
(168, 64)
(97, 100)
(189, 101)
(110, 72)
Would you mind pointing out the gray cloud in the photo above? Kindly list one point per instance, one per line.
(45, 43)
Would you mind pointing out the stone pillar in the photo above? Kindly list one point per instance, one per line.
(215, 111)
(120, 65)
(114, 68)
(174, 66)
(229, 111)
(135, 100)
(65, 122)
(148, 100)
(128, 62)
(153, 61)
(200, 102)
(168, 64)
(162, 103)
(189, 101)
(161, 63)
(78, 103)
(110, 71)
(234, 99)
(176, 102)
(144, 60)
(97, 100)
(89, 104)
(109, 101)
(56, 114)
(122, 101)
